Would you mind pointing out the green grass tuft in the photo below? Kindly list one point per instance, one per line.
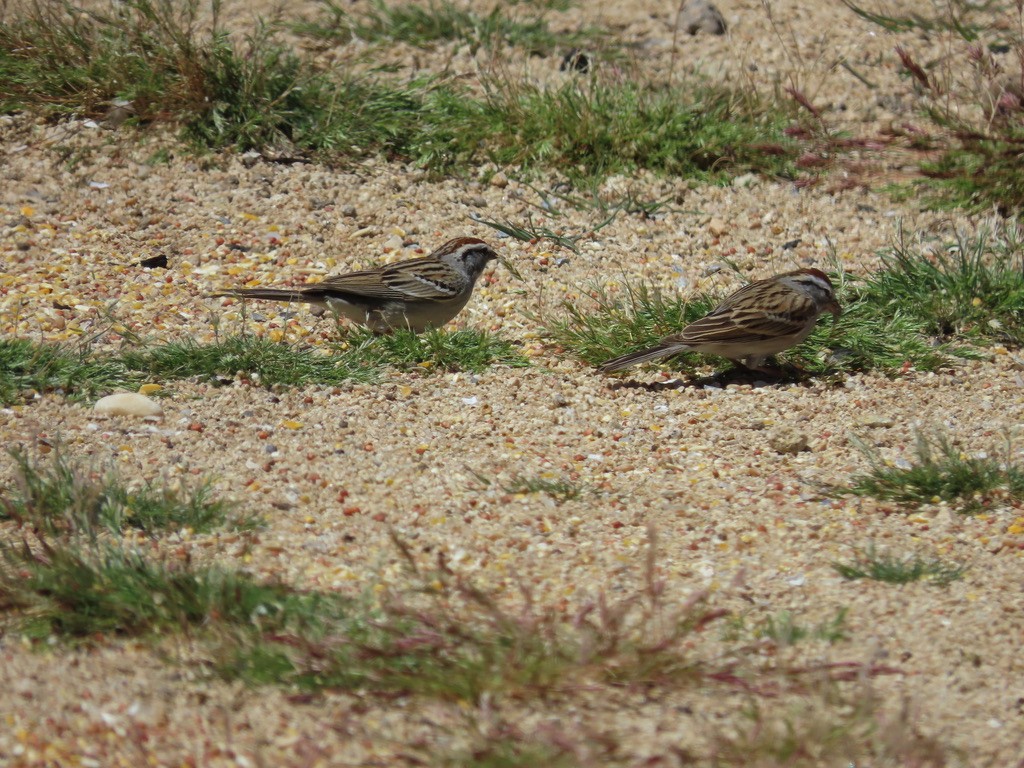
(940, 472)
(970, 288)
(258, 359)
(434, 349)
(64, 496)
(449, 641)
(443, 21)
(600, 127)
(876, 331)
(150, 55)
(561, 490)
(785, 630)
(74, 592)
(891, 569)
(979, 174)
(27, 368)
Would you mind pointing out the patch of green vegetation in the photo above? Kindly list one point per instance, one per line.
(27, 368)
(784, 629)
(161, 156)
(981, 172)
(972, 287)
(440, 22)
(448, 640)
(600, 127)
(258, 94)
(940, 472)
(865, 339)
(65, 496)
(61, 58)
(455, 644)
(150, 57)
(970, 100)
(153, 56)
(559, 489)
(262, 97)
(262, 361)
(402, 652)
(434, 349)
(876, 331)
(893, 569)
(77, 591)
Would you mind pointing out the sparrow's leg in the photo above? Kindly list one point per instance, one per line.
(757, 363)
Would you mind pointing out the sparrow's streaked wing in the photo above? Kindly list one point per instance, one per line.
(431, 281)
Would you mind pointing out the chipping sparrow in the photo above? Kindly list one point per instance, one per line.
(758, 320)
(418, 293)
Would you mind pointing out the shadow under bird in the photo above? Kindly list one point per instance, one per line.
(416, 294)
(759, 320)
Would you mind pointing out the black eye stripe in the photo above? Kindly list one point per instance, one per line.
(485, 250)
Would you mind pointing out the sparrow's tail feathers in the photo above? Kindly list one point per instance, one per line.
(273, 294)
(641, 356)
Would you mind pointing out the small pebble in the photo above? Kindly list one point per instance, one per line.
(717, 227)
(789, 440)
(700, 16)
(250, 158)
(873, 420)
(128, 404)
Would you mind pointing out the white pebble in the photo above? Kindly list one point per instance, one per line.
(128, 404)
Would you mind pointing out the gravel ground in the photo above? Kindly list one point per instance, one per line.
(334, 470)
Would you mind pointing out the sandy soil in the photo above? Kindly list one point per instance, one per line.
(733, 515)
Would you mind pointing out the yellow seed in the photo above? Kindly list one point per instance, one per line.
(149, 389)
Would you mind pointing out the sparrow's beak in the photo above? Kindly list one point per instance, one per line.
(834, 308)
(508, 265)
